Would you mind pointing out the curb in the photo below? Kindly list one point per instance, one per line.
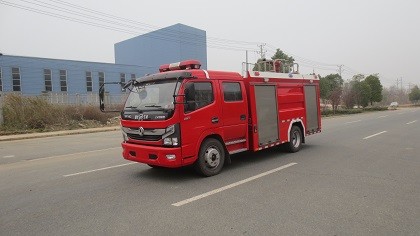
(56, 133)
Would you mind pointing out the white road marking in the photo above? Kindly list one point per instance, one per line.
(401, 113)
(106, 168)
(72, 154)
(381, 116)
(350, 122)
(9, 156)
(189, 200)
(411, 122)
(373, 135)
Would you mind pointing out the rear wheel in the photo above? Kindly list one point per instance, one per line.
(296, 138)
(211, 158)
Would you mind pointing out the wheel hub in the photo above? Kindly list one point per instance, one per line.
(212, 157)
(296, 139)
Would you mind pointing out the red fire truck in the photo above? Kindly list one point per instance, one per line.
(184, 115)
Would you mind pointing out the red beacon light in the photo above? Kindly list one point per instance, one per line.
(182, 65)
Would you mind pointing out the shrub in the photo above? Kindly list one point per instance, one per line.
(35, 113)
(329, 112)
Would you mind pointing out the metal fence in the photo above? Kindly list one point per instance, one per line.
(113, 101)
(74, 99)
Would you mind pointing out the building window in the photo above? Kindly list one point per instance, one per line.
(133, 76)
(232, 92)
(101, 76)
(88, 81)
(16, 78)
(122, 78)
(1, 82)
(47, 80)
(63, 80)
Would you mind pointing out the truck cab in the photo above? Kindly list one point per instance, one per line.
(171, 118)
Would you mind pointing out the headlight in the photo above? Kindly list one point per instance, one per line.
(171, 136)
(170, 141)
(170, 130)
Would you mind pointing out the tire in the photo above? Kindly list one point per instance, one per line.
(295, 143)
(211, 158)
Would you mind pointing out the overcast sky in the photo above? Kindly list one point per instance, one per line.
(366, 36)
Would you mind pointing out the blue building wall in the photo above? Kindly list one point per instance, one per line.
(139, 55)
(32, 74)
(171, 44)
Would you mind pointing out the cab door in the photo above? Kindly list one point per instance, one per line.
(201, 115)
(234, 117)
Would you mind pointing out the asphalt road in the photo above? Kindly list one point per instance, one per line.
(360, 176)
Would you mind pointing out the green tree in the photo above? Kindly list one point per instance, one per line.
(281, 55)
(331, 89)
(414, 95)
(348, 96)
(356, 89)
(376, 88)
(286, 59)
(366, 93)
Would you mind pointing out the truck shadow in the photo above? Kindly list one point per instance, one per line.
(239, 161)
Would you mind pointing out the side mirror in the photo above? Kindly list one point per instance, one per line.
(101, 97)
(105, 97)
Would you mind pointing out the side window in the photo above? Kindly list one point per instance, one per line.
(63, 80)
(232, 92)
(89, 85)
(198, 95)
(16, 78)
(47, 80)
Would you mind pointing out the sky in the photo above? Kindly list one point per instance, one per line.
(365, 36)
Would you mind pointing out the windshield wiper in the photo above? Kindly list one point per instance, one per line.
(133, 107)
(154, 105)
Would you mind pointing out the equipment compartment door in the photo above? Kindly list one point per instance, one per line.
(267, 114)
(311, 108)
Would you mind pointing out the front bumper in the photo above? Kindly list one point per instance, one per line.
(152, 155)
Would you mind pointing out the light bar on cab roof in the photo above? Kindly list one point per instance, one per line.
(182, 65)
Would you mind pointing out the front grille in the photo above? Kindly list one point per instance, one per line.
(144, 137)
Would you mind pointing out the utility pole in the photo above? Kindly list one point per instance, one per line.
(262, 50)
(401, 85)
(340, 69)
(246, 61)
(399, 82)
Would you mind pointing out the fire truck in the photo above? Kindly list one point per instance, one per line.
(184, 115)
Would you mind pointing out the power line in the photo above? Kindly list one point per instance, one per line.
(82, 15)
(149, 26)
(167, 35)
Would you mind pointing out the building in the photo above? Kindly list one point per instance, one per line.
(34, 75)
(171, 44)
(79, 81)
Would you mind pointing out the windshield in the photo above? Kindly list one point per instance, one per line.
(152, 96)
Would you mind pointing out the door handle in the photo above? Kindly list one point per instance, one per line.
(243, 117)
(215, 120)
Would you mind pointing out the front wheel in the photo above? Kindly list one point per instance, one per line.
(211, 158)
(295, 142)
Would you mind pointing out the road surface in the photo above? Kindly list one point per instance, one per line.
(360, 176)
